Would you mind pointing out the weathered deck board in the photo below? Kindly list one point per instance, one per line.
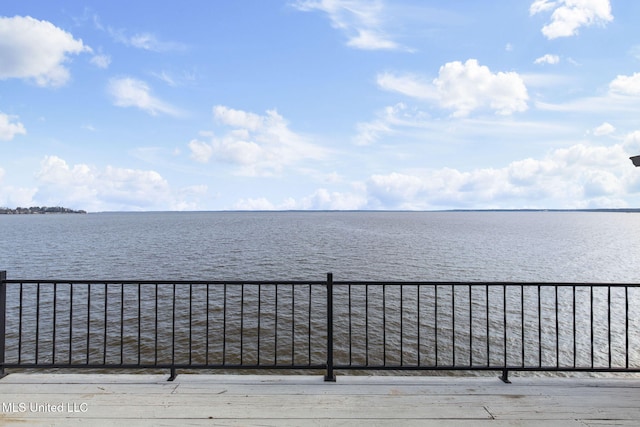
(114, 399)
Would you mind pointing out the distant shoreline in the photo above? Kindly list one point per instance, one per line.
(62, 210)
(610, 210)
(37, 210)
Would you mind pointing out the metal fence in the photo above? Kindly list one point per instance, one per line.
(323, 326)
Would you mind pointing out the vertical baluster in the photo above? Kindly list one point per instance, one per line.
(88, 322)
(488, 326)
(453, 325)
(259, 312)
(121, 323)
(309, 326)
(20, 324)
(626, 327)
(384, 325)
(206, 345)
(609, 322)
(539, 328)
(591, 326)
(401, 326)
(53, 338)
(522, 347)
(557, 328)
(418, 287)
(504, 324)
(242, 320)
(366, 324)
(575, 346)
(71, 323)
(293, 325)
(155, 345)
(173, 326)
(350, 330)
(275, 351)
(470, 326)
(104, 337)
(224, 324)
(37, 321)
(139, 323)
(435, 326)
(190, 323)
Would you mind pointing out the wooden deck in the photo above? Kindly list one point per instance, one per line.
(277, 400)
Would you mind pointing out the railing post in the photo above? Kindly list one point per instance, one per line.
(3, 319)
(330, 376)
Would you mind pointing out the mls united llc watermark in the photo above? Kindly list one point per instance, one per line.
(36, 407)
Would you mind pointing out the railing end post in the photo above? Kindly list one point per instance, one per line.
(3, 317)
(330, 376)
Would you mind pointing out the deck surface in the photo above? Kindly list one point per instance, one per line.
(277, 400)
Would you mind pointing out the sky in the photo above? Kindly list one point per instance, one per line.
(319, 104)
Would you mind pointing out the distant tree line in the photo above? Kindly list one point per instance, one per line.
(39, 210)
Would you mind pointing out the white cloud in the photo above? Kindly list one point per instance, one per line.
(541, 6)
(109, 188)
(570, 15)
(626, 85)
(580, 176)
(604, 129)
(145, 41)
(361, 20)
(101, 61)
(408, 84)
(465, 88)
(130, 92)
(38, 50)
(547, 59)
(258, 145)
(321, 199)
(10, 128)
(387, 121)
(12, 197)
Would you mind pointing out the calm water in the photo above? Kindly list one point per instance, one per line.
(519, 246)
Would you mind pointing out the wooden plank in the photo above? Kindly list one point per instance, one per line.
(307, 400)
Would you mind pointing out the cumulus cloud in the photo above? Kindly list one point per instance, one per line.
(360, 20)
(569, 16)
(130, 92)
(604, 129)
(36, 50)
(547, 59)
(108, 188)
(10, 128)
(321, 199)
(580, 176)
(464, 88)
(257, 144)
(626, 85)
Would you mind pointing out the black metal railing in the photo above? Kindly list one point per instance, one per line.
(319, 325)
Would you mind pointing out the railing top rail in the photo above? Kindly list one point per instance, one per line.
(166, 282)
(480, 283)
(320, 282)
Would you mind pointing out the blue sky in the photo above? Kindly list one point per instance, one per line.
(319, 104)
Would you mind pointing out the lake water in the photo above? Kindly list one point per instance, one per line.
(456, 246)
(377, 246)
